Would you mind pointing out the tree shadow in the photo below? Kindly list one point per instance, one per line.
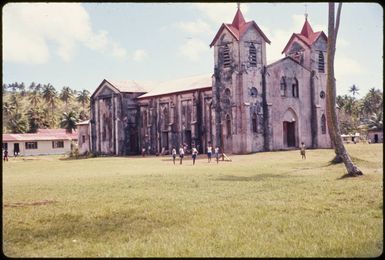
(257, 177)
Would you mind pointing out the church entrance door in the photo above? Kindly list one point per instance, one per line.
(133, 139)
(164, 140)
(187, 138)
(289, 134)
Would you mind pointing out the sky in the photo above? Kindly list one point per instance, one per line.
(80, 44)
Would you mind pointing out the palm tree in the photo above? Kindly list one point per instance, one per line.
(17, 123)
(22, 90)
(14, 101)
(375, 122)
(32, 87)
(66, 95)
(354, 90)
(49, 94)
(84, 97)
(332, 122)
(34, 98)
(69, 121)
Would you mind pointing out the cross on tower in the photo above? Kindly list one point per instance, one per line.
(306, 11)
(238, 5)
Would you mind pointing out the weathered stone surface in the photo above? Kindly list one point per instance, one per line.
(250, 106)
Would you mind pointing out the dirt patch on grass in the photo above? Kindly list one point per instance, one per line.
(31, 203)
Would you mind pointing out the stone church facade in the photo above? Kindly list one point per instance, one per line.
(245, 106)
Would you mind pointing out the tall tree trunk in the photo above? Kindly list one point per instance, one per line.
(333, 126)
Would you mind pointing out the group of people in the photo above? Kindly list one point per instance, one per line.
(194, 153)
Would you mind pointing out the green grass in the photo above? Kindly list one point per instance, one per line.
(260, 205)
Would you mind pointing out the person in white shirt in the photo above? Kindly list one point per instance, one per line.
(217, 153)
(194, 154)
(173, 154)
(209, 152)
(181, 154)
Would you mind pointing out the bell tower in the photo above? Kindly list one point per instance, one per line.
(239, 59)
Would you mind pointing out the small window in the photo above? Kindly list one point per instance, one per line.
(322, 94)
(295, 88)
(30, 145)
(254, 123)
(5, 146)
(283, 87)
(226, 56)
(321, 62)
(228, 125)
(323, 124)
(253, 92)
(252, 55)
(83, 139)
(58, 144)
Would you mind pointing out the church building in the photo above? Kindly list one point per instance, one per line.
(244, 106)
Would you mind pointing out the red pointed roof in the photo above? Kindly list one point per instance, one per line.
(306, 29)
(238, 20)
(307, 35)
(238, 27)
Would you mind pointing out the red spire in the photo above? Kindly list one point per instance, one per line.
(239, 20)
(307, 31)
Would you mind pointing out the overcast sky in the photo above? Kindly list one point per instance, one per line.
(80, 44)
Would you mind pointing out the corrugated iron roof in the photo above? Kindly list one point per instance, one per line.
(132, 85)
(180, 85)
(85, 122)
(42, 135)
(238, 28)
(306, 35)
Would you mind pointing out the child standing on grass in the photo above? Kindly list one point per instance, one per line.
(209, 152)
(173, 154)
(303, 150)
(181, 154)
(5, 155)
(194, 154)
(217, 154)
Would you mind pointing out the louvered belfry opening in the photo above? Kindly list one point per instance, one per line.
(226, 56)
(321, 62)
(253, 55)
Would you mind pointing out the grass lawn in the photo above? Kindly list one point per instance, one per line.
(270, 204)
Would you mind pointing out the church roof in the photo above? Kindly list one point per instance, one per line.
(131, 85)
(128, 86)
(286, 58)
(180, 85)
(307, 35)
(238, 28)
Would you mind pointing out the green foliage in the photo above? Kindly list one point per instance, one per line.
(356, 114)
(39, 106)
(69, 121)
(271, 204)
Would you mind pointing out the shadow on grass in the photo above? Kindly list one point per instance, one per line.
(134, 223)
(258, 177)
(263, 176)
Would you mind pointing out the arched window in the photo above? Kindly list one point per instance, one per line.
(254, 122)
(144, 118)
(253, 92)
(228, 125)
(252, 55)
(321, 62)
(227, 97)
(226, 56)
(165, 118)
(283, 87)
(295, 88)
(323, 124)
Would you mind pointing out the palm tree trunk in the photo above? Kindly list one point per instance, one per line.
(333, 126)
